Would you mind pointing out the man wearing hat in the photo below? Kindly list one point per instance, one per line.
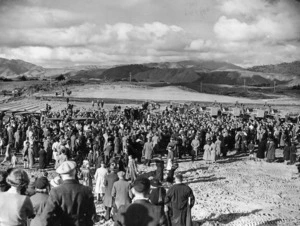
(121, 191)
(180, 200)
(141, 212)
(71, 203)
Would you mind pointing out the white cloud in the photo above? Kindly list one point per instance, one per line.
(274, 20)
(57, 32)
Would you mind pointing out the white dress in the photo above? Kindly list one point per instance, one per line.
(100, 179)
(208, 151)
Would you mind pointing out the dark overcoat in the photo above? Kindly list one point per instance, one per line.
(70, 204)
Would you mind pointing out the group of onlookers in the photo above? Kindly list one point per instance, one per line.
(102, 150)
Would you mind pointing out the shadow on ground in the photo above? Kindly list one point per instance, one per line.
(210, 178)
(223, 218)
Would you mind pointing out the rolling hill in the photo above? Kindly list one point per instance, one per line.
(198, 66)
(213, 72)
(9, 68)
(292, 68)
(173, 75)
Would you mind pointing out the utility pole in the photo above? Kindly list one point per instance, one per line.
(244, 84)
(50, 81)
(130, 77)
(274, 86)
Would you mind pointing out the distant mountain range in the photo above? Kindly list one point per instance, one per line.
(283, 68)
(214, 72)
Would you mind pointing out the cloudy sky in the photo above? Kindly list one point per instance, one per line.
(57, 33)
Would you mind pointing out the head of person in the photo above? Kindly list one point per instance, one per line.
(102, 164)
(3, 184)
(121, 175)
(67, 170)
(155, 183)
(41, 184)
(178, 178)
(112, 167)
(208, 141)
(141, 187)
(18, 179)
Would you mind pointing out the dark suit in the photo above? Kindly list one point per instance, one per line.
(140, 213)
(157, 197)
(70, 204)
(177, 199)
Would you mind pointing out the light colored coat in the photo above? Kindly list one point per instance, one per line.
(148, 150)
(100, 180)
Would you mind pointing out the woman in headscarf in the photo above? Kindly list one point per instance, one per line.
(20, 207)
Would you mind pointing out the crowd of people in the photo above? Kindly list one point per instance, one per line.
(98, 153)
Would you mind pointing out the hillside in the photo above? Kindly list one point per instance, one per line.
(198, 66)
(167, 75)
(283, 68)
(123, 72)
(10, 68)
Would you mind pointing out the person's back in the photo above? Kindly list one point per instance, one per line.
(180, 199)
(139, 213)
(70, 204)
(121, 190)
(15, 213)
(16, 208)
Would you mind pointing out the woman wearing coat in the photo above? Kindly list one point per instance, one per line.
(20, 207)
(131, 172)
(100, 179)
(110, 179)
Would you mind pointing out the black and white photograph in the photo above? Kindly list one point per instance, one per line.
(149, 112)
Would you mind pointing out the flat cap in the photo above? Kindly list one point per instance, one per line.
(121, 174)
(141, 184)
(66, 167)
